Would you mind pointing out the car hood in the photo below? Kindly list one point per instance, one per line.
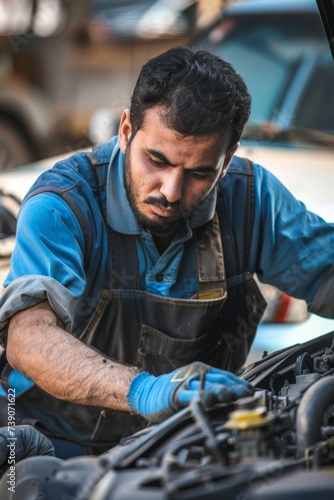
(308, 173)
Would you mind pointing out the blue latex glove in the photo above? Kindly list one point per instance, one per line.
(157, 398)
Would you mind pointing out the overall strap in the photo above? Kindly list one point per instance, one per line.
(244, 171)
(211, 267)
(124, 266)
(249, 209)
(67, 195)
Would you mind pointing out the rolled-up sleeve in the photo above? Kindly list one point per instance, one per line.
(28, 291)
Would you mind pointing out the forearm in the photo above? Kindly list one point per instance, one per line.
(62, 365)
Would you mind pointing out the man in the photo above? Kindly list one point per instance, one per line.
(135, 262)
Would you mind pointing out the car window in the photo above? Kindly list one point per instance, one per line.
(276, 56)
(316, 106)
(250, 57)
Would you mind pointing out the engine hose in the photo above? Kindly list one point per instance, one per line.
(312, 406)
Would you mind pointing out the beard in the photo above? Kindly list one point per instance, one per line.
(156, 225)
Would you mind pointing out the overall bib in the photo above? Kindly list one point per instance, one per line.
(159, 334)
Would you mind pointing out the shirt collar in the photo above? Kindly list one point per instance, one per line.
(120, 216)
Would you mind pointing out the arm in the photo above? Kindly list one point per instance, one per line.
(67, 369)
(62, 365)
(292, 248)
(39, 347)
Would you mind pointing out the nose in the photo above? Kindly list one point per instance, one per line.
(172, 185)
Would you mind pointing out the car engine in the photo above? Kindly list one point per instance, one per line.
(277, 444)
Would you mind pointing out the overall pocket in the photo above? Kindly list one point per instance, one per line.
(158, 353)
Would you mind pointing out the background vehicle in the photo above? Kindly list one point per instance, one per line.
(281, 50)
(60, 60)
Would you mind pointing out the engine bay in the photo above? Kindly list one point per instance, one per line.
(277, 444)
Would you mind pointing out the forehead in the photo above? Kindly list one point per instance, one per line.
(155, 134)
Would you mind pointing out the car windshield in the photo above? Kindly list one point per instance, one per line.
(286, 65)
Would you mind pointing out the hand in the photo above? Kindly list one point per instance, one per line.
(156, 398)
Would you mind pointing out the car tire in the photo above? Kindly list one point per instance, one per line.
(14, 149)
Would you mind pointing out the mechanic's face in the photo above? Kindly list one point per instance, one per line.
(168, 175)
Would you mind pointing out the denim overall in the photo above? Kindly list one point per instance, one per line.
(155, 333)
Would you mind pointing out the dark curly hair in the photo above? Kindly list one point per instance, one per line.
(201, 94)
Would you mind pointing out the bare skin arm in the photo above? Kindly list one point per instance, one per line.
(62, 365)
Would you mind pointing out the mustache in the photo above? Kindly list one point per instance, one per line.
(164, 203)
(176, 206)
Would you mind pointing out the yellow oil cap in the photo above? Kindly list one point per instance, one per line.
(249, 418)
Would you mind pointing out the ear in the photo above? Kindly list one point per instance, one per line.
(228, 158)
(125, 130)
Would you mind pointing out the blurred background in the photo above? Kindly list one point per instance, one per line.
(60, 60)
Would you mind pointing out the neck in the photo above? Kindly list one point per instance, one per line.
(162, 241)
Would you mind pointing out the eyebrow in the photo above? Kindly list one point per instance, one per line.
(161, 157)
(166, 161)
